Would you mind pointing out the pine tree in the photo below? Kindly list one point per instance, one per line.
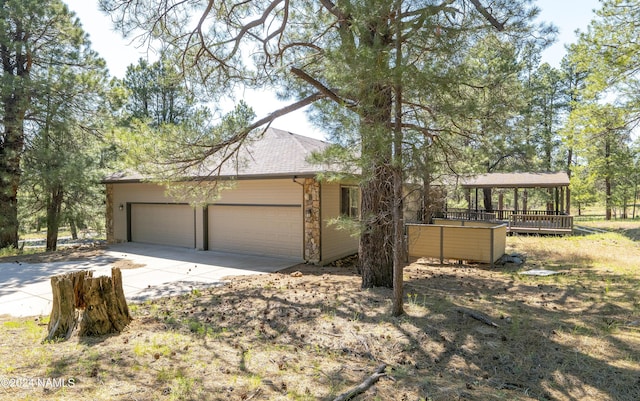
(61, 161)
(33, 35)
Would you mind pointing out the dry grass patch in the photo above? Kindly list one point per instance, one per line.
(279, 337)
(628, 228)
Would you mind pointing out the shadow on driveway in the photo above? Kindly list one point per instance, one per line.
(25, 288)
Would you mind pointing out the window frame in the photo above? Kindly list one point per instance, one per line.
(350, 202)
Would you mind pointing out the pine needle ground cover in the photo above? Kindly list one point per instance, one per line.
(315, 335)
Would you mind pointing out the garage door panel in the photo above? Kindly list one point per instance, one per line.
(163, 224)
(265, 230)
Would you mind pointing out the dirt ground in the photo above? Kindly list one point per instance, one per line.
(470, 332)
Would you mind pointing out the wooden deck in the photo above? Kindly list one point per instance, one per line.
(531, 222)
(540, 224)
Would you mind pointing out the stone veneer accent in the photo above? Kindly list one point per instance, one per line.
(109, 215)
(311, 204)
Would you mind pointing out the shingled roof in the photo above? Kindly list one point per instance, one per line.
(276, 153)
(517, 180)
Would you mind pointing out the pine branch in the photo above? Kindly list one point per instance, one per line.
(492, 20)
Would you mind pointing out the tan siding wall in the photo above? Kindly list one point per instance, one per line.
(272, 192)
(499, 242)
(423, 241)
(335, 243)
(466, 243)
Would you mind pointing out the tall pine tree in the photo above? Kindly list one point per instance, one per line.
(33, 35)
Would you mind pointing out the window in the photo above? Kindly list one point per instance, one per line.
(350, 202)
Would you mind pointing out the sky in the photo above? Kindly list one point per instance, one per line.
(567, 15)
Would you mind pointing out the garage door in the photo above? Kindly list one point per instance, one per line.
(260, 230)
(163, 224)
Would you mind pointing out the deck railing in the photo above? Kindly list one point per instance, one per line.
(496, 214)
(531, 221)
(462, 214)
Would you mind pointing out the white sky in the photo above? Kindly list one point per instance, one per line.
(567, 15)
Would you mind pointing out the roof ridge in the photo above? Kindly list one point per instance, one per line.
(300, 139)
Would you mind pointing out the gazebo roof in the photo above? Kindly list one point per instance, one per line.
(517, 180)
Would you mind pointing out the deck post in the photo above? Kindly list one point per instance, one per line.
(476, 201)
(441, 244)
(515, 201)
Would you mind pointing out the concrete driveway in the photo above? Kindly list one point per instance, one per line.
(25, 289)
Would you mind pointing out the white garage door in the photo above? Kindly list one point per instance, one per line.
(163, 224)
(259, 230)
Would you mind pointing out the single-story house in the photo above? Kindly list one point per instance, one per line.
(276, 207)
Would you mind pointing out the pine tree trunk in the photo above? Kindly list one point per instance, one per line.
(376, 241)
(101, 299)
(14, 100)
(375, 109)
(8, 211)
(607, 180)
(375, 250)
(488, 204)
(74, 228)
(11, 144)
(54, 208)
(607, 202)
(399, 248)
(567, 207)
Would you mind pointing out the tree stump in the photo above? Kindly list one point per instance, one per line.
(101, 300)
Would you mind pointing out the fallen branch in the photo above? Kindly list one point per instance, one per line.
(254, 395)
(477, 315)
(364, 386)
